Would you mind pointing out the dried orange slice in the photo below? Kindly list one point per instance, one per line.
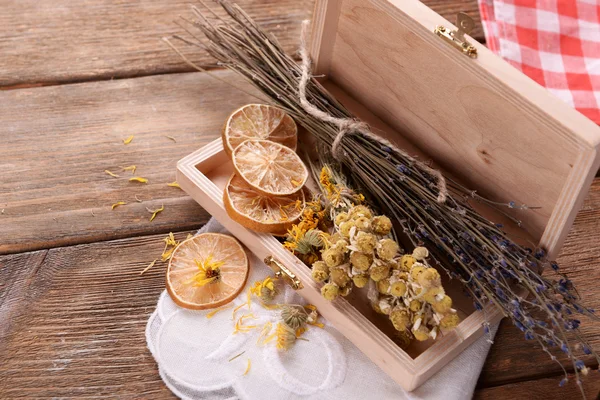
(259, 212)
(259, 121)
(269, 167)
(207, 271)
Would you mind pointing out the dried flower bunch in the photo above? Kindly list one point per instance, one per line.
(361, 252)
(494, 269)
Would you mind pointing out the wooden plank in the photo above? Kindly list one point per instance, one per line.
(81, 332)
(546, 389)
(52, 166)
(47, 42)
(511, 357)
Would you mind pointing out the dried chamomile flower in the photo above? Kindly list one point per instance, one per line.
(400, 317)
(360, 211)
(360, 260)
(330, 291)
(387, 249)
(449, 321)
(362, 223)
(365, 242)
(416, 270)
(345, 228)
(398, 289)
(431, 295)
(333, 257)
(383, 286)
(415, 305)
(429, 278)
(421, 333)
(341, 217)
(320, 271)
(339, 276)
(381, 225)
(294, 316)
(379, 271)
(420, 253)
(442, 306)
(360, 280)
(406, 262)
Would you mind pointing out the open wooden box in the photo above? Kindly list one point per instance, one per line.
(477, 118)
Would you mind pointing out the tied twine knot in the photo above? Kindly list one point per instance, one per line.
(349, 125)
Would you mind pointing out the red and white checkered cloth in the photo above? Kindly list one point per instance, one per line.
(555, 42)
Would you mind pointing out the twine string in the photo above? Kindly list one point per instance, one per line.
(348, 126)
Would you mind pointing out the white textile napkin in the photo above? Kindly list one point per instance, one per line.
(194, 356)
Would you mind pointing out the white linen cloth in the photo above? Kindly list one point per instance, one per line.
(193, 353)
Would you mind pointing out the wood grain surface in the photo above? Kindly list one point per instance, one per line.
(51, 42)
(52, 166)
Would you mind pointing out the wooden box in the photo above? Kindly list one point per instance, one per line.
(478, 119)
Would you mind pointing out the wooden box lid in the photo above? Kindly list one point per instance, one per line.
(478, 118)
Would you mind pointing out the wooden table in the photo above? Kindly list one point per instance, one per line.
(78, 78)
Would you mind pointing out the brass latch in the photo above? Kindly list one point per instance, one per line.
(281, 271)
(457, 38)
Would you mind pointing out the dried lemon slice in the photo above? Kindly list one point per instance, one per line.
(207, 271)
(259, 212)
(269, 167)
(259, 121)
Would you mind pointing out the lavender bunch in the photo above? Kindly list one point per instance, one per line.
(494, 269)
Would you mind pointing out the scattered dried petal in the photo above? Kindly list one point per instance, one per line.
(174, 184)
(138, 199)
(138, 179)
(215, 311)
(247, 368)
(131, 168)
(111, 173)
(155, 212)
(148, 267)
(117, 204)
(128, 140)
(172, 138)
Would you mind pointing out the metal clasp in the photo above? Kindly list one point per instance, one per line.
(457, 38)
(281, 271)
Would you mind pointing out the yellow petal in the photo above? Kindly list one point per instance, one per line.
(131, 168)
(117, 204)
(174, 184)
(148, 267)
(213, 312)
(247, 368)
(128, 140)
(167, 254)
(138, 179)
(111, 173)
(155, 212)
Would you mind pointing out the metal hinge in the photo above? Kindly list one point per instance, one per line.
(457, 38)
(281, 271)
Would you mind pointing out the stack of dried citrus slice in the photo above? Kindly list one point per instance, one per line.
(265, 192)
